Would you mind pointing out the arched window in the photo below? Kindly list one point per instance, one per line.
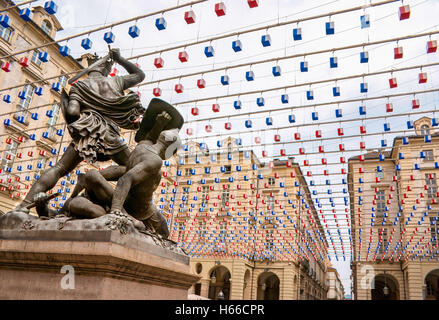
(47, 27)
(425, 130)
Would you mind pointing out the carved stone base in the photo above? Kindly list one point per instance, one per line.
(106, 264)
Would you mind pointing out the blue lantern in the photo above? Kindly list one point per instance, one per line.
(209, 51)
(304, 66)
(86, 43)
(43, 56)
(250, 75)
(266, 40)
(285, 99)
(225, 80)
(297, 34)
(39, 91)
(26, 14)
(365, 21)
(364, 87)
(134, 31)
(50, 7)
(333, 62)
(109, 37)
(276, 71)
(4, 21)
(330, 29)
(64, 51)
(160, 23)
(364, 57)
(260, 102)
(237, 45)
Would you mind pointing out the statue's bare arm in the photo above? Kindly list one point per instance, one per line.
(136, 75)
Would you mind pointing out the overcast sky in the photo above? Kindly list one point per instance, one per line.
(80, 15)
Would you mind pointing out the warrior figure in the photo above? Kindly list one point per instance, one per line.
(94, 111)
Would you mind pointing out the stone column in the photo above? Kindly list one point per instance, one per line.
(205, 288)
(415, 281)
(288, 285)
(237, 281)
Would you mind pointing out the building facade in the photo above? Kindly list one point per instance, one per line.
(395, 218)
(250, 228)
(334, 284)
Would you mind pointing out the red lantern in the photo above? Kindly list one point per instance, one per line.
(189, 16)
(179, 88)
(431, 46)
(404, 12)
(159, 62)
(6, 66)
(253, 3)
(318, 133)
(201, 83)
(228, 126)
(195, 111)
(24, 62)
(220, 9)
(157, 92)
(423, 77)
(416, 104)
(398, 53)
(215, 107)
(393, 83)
(389, 107)
(208, 128)
(183, 56)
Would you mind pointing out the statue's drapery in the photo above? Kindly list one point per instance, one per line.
(96, 132)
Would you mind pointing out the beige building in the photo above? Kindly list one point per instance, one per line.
(334, 284)
(395, 218)
(251, 228)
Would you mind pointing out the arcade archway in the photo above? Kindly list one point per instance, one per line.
(385, 288)
(432, 285)
(219, 287)
(268, 286)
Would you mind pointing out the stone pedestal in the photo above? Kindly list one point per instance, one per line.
(106, 265)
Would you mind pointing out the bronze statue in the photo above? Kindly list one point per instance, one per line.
(94, 111)
(137, 181)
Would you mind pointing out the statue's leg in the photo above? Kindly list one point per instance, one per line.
(98, 188)
(157, 221)
(83, 208)
(69, 161)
